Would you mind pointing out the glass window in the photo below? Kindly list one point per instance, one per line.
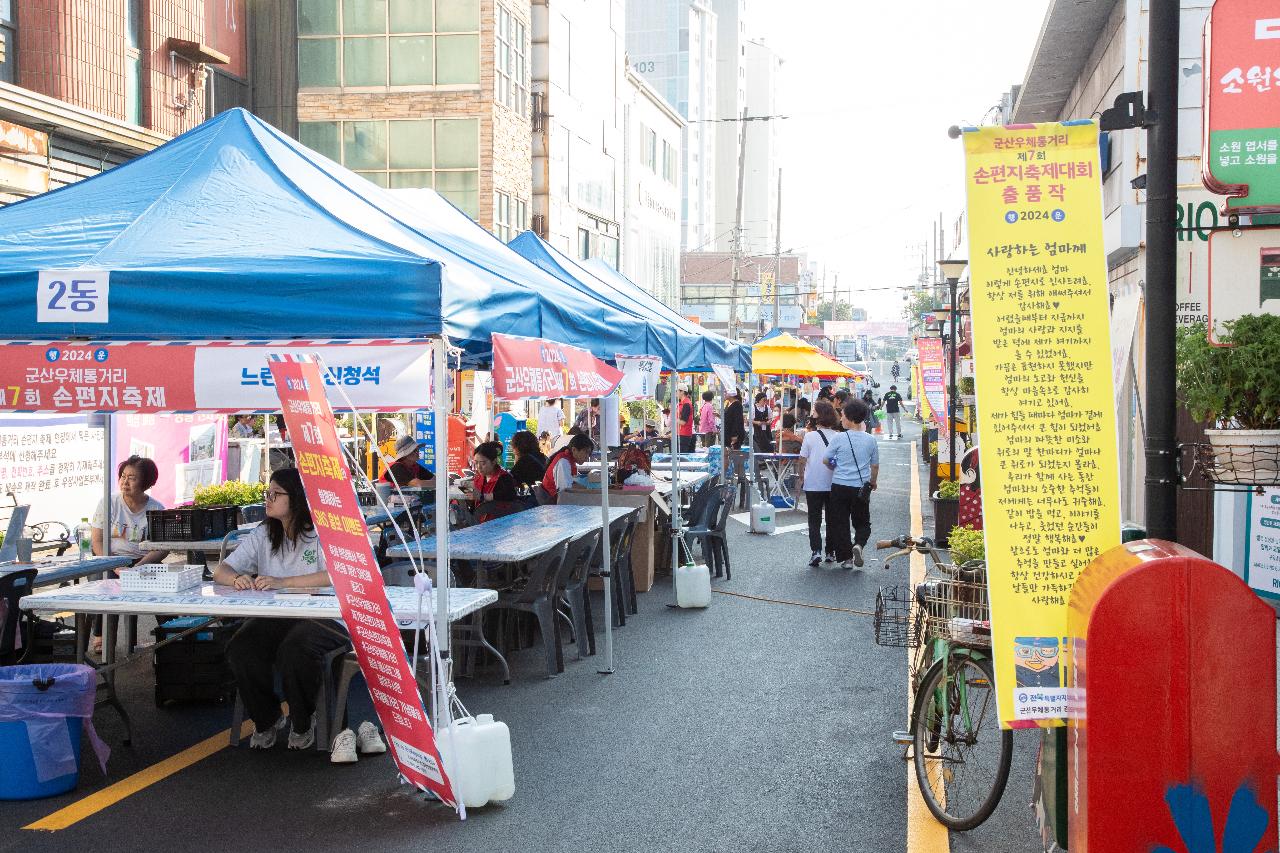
(410, 145)
(133, 88)
(584, 244)
(323, 137)
(457, 59)
(133, 24)
(409, 180)
(412, 60)
(364, 17)
(511, 62)
(457, 16)
(364, 62)
(522, 216)
(364, 144)
(318, 17)
(461, 188)
(457, 143)
(379, 178)
(502, 216)
(318, 62)
(411, 16)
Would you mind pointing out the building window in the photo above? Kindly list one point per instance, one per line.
(8, 43)
(649, 148)
(381, 43)
(521, 223)
(443, 154)
(511, 62)
(509, 216)
(584, 244)
(668, 162)
(133, 62)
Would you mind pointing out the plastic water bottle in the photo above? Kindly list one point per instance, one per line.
(84, 538)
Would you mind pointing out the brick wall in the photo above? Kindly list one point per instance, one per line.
(74, 50)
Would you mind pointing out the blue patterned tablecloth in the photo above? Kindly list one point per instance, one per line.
(65, 569)
(519, 537)
(106, 597)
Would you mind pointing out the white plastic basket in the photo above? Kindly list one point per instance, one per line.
(161, 578)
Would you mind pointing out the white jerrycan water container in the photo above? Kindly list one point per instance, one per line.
(763, 517)
(693, 586)
(481, 771)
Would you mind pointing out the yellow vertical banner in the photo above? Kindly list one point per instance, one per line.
(1042, 355)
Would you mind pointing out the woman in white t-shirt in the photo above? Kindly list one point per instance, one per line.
(129, 507)
(280, 553)
(551, 420)
(816, 478)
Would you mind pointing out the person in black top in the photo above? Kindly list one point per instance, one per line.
(762, 435)
(893, 412)
(735, 427)
(493, 491)
(530, 464)
(406, 470)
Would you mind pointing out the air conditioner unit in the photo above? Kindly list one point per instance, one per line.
(536, 114)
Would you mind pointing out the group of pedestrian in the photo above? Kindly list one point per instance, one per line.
(839, 467)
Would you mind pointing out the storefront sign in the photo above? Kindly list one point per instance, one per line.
(1241, 149)
(424, 432)
(355, 576)
(639, 376)
(1262, 546)
(933, 377)
(1042, 351)
(185, 377)
(533, 367)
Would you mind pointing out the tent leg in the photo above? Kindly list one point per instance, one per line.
(440, 407)
(606, 562)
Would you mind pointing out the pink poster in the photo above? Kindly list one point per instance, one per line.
(189, 451)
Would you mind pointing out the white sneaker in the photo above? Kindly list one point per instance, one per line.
(369, 741)
(303, 740)
(343, 750)
(816, 559)
(267, 739)
(847, 565)
(857, 555)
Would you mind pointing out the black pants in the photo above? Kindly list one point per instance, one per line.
(818, 503)
(686, 444)
(848, 506)
(294, 647)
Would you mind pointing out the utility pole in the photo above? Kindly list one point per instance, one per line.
(1161, 286)
(777, 259)
(737, 231)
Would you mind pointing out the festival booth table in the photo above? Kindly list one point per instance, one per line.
(184, 267)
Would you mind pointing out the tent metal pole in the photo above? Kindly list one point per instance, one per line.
(606, 563)
(440, 414)
(677, 531)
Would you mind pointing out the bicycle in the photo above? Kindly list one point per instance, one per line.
(961, 766)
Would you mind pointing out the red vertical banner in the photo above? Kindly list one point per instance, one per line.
(354, 573)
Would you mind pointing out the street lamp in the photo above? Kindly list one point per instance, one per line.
(951, 271)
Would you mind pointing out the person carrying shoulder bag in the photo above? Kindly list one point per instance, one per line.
(816, 479)
(854, 460)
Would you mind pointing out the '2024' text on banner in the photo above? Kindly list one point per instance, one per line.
(190, 377)
(355, 575)
(1042, 353)
(533, 367)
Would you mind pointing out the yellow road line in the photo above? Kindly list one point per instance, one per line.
(924, 834)
(113, 794)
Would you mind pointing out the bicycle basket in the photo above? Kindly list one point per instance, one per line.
(957, 611)
(897, 623)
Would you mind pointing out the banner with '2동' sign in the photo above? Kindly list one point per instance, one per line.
(225, 376)
(356, 578)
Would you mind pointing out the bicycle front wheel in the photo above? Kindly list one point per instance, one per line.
(962, 755)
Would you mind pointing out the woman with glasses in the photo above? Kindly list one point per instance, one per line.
(282, 552)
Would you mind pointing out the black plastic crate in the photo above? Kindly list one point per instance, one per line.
(191, 523)
(193, 668)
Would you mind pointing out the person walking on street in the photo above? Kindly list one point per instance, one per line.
(815, 477)
(893, 412)
(551, 419)
(708, 426)
(854, 459)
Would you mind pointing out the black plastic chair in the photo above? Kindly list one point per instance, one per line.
(13, 586)
(572, 585)
(621, 534)
(711, 533)
(536, 594)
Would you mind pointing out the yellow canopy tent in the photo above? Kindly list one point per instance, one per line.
(785, 354)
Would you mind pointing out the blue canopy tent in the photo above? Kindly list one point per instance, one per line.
(696, 348)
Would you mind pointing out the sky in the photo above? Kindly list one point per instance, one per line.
(872, 87)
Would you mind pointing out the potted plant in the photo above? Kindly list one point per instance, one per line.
(1234, 388)
(946, 511)
(966, 544)
(233, 493)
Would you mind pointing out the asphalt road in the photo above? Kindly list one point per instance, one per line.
(752, 725)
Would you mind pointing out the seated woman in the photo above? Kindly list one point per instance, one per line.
(493, 491)
(789, 440)
(530, 465)
(281, 552)
(406, 469)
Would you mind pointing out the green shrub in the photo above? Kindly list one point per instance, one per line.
(949, 490)
(933, 449)
(232, 493)
(966, 544)
(967, 385)
(1237, 384)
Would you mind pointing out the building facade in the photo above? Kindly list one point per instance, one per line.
(88, 84)
(578, 81)
(651, 191)
(760, 184)
(409, 94)
(731, 100)
(672, 44)
(706, 289)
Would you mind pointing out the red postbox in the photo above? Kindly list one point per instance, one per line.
(1172, 746)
